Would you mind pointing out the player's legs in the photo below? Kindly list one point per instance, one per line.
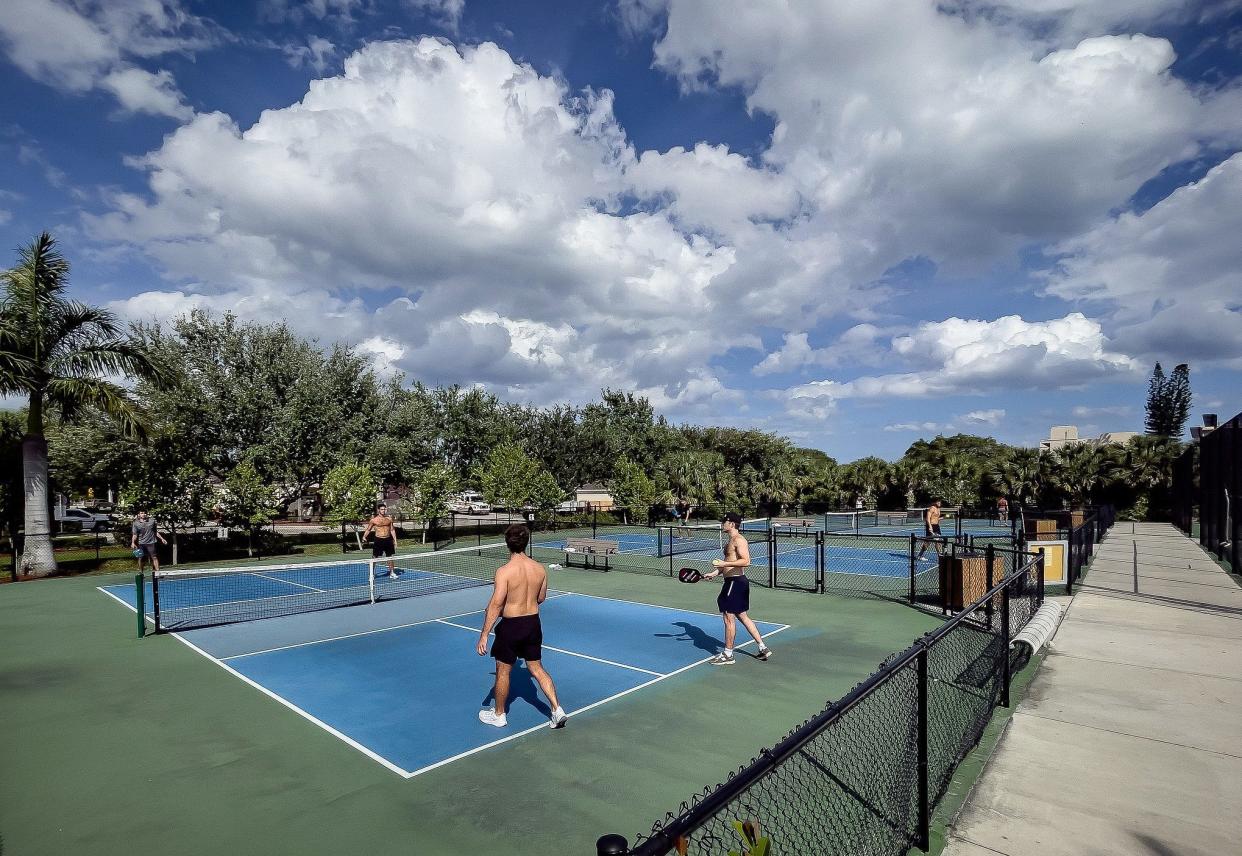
(501, 690)
(751, 628)
(541, 676)
(730, 629)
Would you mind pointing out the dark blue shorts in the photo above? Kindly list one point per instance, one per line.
(734, 596)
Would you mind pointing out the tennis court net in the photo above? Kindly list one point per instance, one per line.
(850, 521)
(679, 540)
(181, 600)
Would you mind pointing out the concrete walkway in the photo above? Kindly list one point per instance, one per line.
(1130, 738)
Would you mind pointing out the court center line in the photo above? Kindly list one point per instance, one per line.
(570, 653)
(288, 582)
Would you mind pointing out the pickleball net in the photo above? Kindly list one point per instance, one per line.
(182, 600)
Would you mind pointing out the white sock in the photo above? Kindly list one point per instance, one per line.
(728, 652)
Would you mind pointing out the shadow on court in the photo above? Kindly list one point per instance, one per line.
(521, 686)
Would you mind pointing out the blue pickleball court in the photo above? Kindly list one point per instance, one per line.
(401, 682)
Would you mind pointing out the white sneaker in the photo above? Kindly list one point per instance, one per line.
(392, 575)
(559, 718)
(721, 660)
(490, 717)
(765, 653)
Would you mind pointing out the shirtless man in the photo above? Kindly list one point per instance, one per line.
(734, 597)
(521, 585)
(931, 529)
(385, 537)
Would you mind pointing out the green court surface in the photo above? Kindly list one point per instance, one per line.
(119, 745)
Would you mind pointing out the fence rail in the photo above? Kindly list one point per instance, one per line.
(1220, 486)
(863, 775)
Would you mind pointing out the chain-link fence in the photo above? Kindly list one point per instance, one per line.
(1220, 483)
(864, 774)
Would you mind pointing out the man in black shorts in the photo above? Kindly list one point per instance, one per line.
(931, 529)
(521, 585)
(734, 597)
(385, 543)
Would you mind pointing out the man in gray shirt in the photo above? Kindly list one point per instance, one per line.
(143, 541)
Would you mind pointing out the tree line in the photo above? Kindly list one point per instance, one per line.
(238, 421)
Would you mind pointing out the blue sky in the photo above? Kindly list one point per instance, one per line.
(851, 224)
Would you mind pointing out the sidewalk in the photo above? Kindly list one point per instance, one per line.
(1130, 738)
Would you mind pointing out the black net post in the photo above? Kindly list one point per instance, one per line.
(819, 562)
(155, 599)
(924, 830)
(771, 558)
(140, 600)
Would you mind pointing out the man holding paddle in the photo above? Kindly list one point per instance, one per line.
(734, 598)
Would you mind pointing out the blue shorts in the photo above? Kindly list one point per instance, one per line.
(734, 596)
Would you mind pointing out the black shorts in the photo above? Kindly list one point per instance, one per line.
(518, 637)
(734, 595)
(933, 531)
(383, 547)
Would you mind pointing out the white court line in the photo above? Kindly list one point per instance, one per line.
(374, 756)
(366, 632)
(407, 774)
(566, 651)
(577, 711)
(146, 616)
(279, 580)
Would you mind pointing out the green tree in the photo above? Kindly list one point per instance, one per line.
(436, 483)
(866, 478)
(248, 501)
(957, 480)
(544, 493)
(60, 354)
(1168, 402)
(1077, 469)
(1018, 476)
(349, 492)
(11, 425)
(510, 478)
(179, 497)
(632, 488)
(911, 477)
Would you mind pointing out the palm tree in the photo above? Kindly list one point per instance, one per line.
(1018, 476)
(867, 476)
(911, 476)
(1078, 468)
(56, 352)
(1148, 461)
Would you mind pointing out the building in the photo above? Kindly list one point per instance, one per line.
(1060, 436)
(593, 496)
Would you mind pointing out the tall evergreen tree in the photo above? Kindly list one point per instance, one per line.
(1156, 415)
(1177, 391)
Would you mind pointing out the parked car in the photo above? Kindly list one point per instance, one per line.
(79, 519)
(457, 505)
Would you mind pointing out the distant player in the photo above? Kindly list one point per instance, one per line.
(385, 543)
(1002, 508)
(521, 585)
(734, 597)
(931, 529)
(143, 538)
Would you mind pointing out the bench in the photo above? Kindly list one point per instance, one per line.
(805, 523)
(589, 548)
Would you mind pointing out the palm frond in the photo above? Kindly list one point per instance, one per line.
(71, 395)
(112, 356)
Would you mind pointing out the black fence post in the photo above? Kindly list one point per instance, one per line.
(990, 561)
(1004, 646)
(913, 541)
(612, 845)
(343, 547)
(1039, 569)
(924, 830)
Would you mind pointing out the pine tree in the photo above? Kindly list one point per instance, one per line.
(1178, 396)
(1156, 413)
